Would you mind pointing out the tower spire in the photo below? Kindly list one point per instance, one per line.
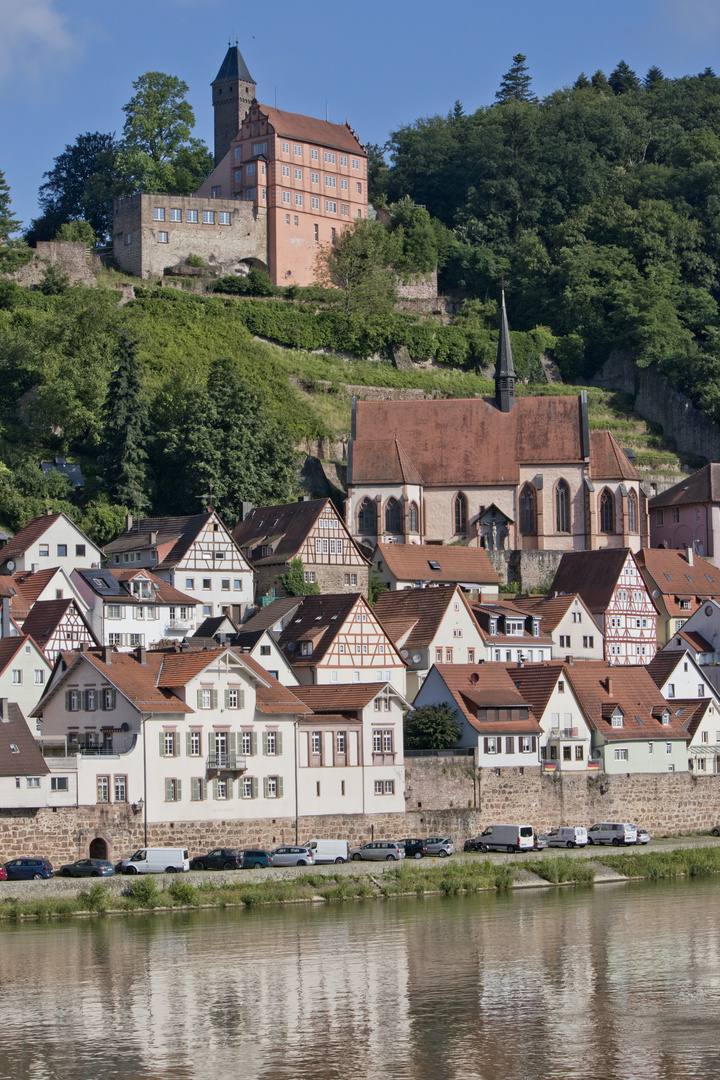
(233, 91)
(504, 368)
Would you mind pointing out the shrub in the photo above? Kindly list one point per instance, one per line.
(98, 897)
(183, 893)
(195, 260)
(144, 891)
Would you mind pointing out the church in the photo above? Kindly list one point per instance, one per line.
(512, 472)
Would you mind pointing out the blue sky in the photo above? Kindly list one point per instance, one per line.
(67, 66)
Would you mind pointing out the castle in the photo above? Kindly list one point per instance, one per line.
(284, 186)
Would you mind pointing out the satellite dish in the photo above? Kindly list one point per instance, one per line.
(405, 653)
(416, 658)
(708, 611)
(10, 565)
(656, 594)
(125, 726)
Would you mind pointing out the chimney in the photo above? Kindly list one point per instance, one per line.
(107, 651)
(5, 617)
(128, 523)
(689, 555)
(608, 684)
(569, 660)
(48, 513)
(4, 703)
(140, 654)
(153, 538)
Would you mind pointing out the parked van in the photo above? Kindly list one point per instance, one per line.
(157, 860)
(612, 833)
(507, 838)
(568, 836)
(330, 851)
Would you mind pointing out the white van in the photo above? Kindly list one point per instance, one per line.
(568, 836)
(157, 860)
(615, 833)
(330, 851)
(507, 838)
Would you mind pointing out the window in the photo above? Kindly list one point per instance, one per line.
(448, 656)
(527, 511)
(579, 754)
(460, 513)
(367, 517)
(173, 789)
(285, 148)
(314, 154)
(330, 207)
(527, 744)
(261, 148)
(298, 201)
(393, 516)
(296, 219)
(39, 677)
(44, 549)
(167, 743)
(588, 642)
(330, 181)
(617, 721)
(191, 216)
(271, 743)
(248, 787)
(607, 512)
(675, 514)
(103, 789)
(224, 217)
(358, 188)
(121, 789)
(620, 754)
(195, 743)
(332, 233)
(80, 550)
(176, 215)
(17, 677)
(159, 213)
(207, 583)
(286, 199)
(208, 217)
(273, 787)
(285, 170)
(330, 158)
(562, 507)
(72, 700)
(413, 518)
(128, 239)
(235, 699)
(343, 185)
(632, 513)
(62, 550)
(659, 517)
(471, 656)
(297, 151)
(162, 238)
(32, 782)
(668, 748)
(564, 641)
(341, 742)
(216, 192)
(90, 700)
(355, 162)
(59, 783)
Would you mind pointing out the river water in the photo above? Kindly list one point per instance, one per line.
(616, 981)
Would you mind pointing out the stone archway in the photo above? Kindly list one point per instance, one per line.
(98, 848)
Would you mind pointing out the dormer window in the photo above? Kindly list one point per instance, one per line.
(306, 648)
(493, 626)
(514, 628)
(617, 719)
(665, 718)
(265, 551)
(536, 628)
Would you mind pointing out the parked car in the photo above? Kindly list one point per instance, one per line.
(220, 858)
(643, 836)
(413, 848)
(507, 838)
(541, 841)
(3, 873)
(473, 843)
(439, 845)
(255, 859)
(26, 869)
(292, 856)
(569, 836)
(379, 850)
(613, 832)
(88, 868)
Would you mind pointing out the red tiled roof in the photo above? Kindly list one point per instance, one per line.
(411, 562)
(592, 574)
(703, 486)
(320, 619)
(668, 571)
(690, 713)
(487, 686)
(632, 689)
(341, 697)
(135, 681)
(536, 682)
(607, 460)
(412, 617)
(696, 641)
(175, 536)
(14, 731)
(27, 536)
(550, 609)
(46, 615)
(30, 584)
(9, 647)
(164, 594)
(309, 129)
(286, 527)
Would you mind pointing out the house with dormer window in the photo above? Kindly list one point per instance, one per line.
(570, 624)
(566, 739)
(696, 704)
(510, 634)
(128, 608)
(680, 582)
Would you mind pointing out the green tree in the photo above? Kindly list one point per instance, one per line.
(375, 587)
(516, 82)
(599, 81)
(431, 727)
(294, 583)
(654, 77)
(123, 454)
(77, 230)
(623, 79)
(358, 265)
(157, 152)
(8, 223)
(582, 82)
(80, 186)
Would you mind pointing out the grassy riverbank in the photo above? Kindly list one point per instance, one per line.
(416, 879)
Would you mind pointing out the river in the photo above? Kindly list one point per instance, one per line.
(616, 981)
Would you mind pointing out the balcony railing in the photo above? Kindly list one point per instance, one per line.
(226, 761)
(564, 733)
(180, 624)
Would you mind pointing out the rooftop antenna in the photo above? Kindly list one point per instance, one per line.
(207, 498)
(276, 95)
(327, 112)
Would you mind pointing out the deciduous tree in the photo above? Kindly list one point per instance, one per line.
(431, 727)
(294, 583)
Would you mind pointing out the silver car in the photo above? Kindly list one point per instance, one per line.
(292, 856)
(379, 851)
(439, 845)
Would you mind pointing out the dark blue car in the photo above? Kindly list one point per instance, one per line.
(25, 869)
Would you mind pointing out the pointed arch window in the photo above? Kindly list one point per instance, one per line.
(367, 518)
(607, 512)
(632, 513)
(413, 518)
(562, 507)
(527, 511)
(460, 514)
(393, 516)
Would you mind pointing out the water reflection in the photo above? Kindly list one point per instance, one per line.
(615, 982)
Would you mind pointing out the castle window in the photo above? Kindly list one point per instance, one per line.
(632, 512)
(216, 192)
(344, 210)
(176, 215)
(314, 155)
(162, 238)
(159, 213)
(208, 217)
(562, 507)
(367, 518)
(358, 188)
(527, 511)
(607, 512)
(343, 160)
(316, 234)
(330, 158)
(315, 203)
(238, 153)
(128, 238)
(286, 148)
(314, 177)
(330, 181)
(191, 216)
(285, 170)
(250, 169)
(343, 185)
(260, 148)
(413, 518)
(298, 174)
(355, 163)
(460, 513)
(393, 516)
(298, 150)
(298, 198)
(224, 217)
(286, 196)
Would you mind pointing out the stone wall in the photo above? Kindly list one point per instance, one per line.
(69, 256)
(331, 579)
(654, 399)
(419, 287)
(530, 569)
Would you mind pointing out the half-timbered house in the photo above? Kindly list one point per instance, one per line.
(696, 704)
(679, 582)
(195, 554)
(51, 583)
(312, 530)
(58, 625)
(612, 587)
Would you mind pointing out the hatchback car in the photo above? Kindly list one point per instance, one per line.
(255, 859)
(379, 851)
(414, 848)
(643, 836)
(292, 856)
(439, 845)
(221, 858)
(26, 869)
(474, 843)
(88, 868)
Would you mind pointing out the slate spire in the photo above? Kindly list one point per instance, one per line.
(504, 367)
(233, 92)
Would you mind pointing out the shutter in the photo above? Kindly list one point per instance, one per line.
(162, 744)
(176, 744)
(254, 743)
(278, 742)
(178, 790)
(212, 742)
(265, 786)
(227, 699)
(279, 787)
(214, 699)
(67, 701)
(265, 742)
(254, 787)
(214, 789)
(510, 745)
(232, 742)
(168, 791)
(487, 746)
(195, 795)
(534, 745)
(188, 745)
(229, 788)
(199, 699)
(203, 789)
(101, 699)
(241, 698)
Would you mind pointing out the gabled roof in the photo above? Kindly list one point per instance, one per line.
(209, 627)
(608, 461)
(286, 527)
(233, 67)
(482, 686)
(281, 610)
(308, 129)
(500, 609)
(9, 648)
(536, 682)
(702, 486)
(30, 584)
(164, 593)
(19, 753)
(663, 664)
(65, 468)
(412, 617)
(690, 712)
(630, 688)
(173, 537)
(669, 571)
(45, 617)
(339, 698)
(592, 574)
(551, 610)
(319, 620)
(138, 682)
(412, 562)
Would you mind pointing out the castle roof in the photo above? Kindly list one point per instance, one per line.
(309, 129)
(233, 67)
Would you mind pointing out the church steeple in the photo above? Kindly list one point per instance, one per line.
(504, 367)
(233, 91)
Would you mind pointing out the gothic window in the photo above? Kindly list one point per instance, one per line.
(527, 511)
(367, 518)
(607, 512)
(413, 518)
(562, 507)
(393, 516)
(460, 507)
(632, 513)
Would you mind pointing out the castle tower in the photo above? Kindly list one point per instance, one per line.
(233, 91)
(504, 367)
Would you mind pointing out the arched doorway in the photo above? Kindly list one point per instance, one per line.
(98, 848)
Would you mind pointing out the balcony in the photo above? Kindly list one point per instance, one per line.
(226, 762)
(179, 624)
(563, 733)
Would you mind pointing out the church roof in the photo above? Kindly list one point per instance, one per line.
(504, 368)
(233, 67)
(608, 461)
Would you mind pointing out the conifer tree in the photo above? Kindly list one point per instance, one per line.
(582, 82)
(515, 85)
(622, 80)
(124, 451)
(599, 81)
(8, 223)
(654, 77)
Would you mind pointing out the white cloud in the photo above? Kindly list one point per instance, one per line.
(35, 40)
